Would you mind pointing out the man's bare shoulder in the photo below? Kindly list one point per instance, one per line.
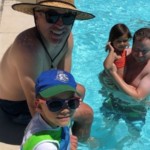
(146, 69)
(26, 40)
(25, 51)
(26, 44)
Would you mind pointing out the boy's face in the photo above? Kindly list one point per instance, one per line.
(57, 113)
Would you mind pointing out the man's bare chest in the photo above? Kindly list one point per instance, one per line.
(134, 74)
(48, 62)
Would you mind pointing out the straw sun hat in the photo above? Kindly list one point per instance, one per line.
(52, 4)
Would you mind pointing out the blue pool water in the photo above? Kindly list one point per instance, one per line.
(89, 42)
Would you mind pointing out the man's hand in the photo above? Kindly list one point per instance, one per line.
(74, 142)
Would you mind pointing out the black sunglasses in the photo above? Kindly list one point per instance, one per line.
(53, 16)
(55, 104)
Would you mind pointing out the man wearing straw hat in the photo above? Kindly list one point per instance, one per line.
(47, 45)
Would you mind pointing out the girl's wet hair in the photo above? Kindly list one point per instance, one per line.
(141, 34)
(117, 31)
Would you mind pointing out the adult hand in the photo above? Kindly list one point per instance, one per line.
(74, 142)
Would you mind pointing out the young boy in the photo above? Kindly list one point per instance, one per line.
(56, 102)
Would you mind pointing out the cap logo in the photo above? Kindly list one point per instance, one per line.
(61, 76)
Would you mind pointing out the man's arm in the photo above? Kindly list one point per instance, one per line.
(83, 117)
(27, 80)
(27, 67)
(66, 62)
(138, 93)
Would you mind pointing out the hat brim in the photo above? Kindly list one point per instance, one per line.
(55, 90)
(27, 8)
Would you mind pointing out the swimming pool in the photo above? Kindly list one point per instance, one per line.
(89, 42)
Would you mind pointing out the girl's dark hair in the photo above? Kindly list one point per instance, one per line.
(141, 34)
(117, 31)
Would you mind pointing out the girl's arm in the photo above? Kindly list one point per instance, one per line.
(112, 56)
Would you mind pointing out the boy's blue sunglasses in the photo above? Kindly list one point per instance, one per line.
(55, 104)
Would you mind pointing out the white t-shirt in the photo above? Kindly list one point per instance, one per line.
(46, 146)
(37, 124)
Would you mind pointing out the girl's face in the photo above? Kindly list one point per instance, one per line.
(121, 43)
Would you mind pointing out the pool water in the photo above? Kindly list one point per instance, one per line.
(90, 38)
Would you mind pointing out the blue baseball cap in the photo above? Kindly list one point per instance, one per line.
(53, 82)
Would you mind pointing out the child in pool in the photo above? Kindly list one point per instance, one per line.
(118, 47)
(56, 102)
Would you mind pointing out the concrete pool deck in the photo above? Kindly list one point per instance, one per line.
(11, 23)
